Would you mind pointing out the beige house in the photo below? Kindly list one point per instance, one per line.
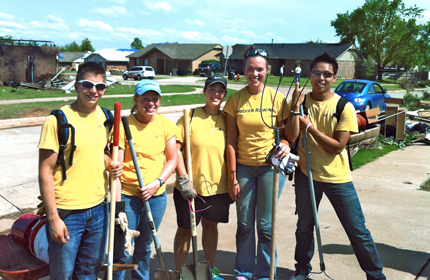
(347, 55)
(169, 58)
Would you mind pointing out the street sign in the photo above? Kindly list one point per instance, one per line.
(226, 51)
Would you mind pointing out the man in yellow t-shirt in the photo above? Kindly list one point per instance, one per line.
(326, 139)
(77, 214)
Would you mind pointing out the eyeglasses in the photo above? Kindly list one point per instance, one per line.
(326, 74)
(89, 85)
(253, 52)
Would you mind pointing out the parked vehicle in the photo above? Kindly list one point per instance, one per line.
(210, 68)
(139, 73)
(363, 94)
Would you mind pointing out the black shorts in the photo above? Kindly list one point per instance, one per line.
(217, 212)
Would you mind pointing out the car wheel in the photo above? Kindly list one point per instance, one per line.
(125, 77)
(139, 77)
(367, 106)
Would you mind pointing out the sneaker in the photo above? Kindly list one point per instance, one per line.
(215, 273)
(301, 275)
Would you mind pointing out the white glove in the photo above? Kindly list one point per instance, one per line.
(129, 234)
(289, 163)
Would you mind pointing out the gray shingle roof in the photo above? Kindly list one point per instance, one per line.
(70, 56)
(178, 51)
(302, 51)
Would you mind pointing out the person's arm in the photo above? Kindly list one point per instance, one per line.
(180, 167)
(171, 161)
(186, 187)
(291, 132)
(333, 145)
(57, 229)
(232, 135)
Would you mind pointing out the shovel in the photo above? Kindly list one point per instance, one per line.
(195, 271)
(162, 274)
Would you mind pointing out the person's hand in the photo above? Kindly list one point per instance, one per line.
(283, 150)
(149, 190)
(304, 121)
(115, 170)
(234, 190)
(186, 187)
(297, 98)
(289, 163)
(58, 231)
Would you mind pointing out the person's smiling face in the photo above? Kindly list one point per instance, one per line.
(320, 80)
(255, 71)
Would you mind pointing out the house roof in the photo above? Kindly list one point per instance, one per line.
(72, 56)
(178, 51)
(114, 54)
(303, 51)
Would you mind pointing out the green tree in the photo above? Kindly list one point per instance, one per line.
(137, 44)
(369, 68)
(387, 31)
(6, 40)
(86, 46)
(71, 47)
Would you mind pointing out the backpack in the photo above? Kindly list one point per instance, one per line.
(65, 129)
(340, 106)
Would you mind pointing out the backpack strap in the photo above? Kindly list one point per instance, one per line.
(63, 135)
(192, 114)
(340, 106)
(109, 118)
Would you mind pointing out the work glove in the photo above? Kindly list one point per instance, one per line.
(40, 207)
(121, 224)
(289, 163)
(186, 187)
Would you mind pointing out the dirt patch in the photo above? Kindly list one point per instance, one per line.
(41, 112)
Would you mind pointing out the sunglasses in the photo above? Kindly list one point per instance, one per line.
(89, 85)
(253, 52)
(326, 74)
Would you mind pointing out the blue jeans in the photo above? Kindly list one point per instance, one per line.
(347, 206)
(297, 78)
(137, 220)
(256, 189)
(82, 256)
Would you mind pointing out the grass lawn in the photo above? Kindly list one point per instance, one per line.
(36, 109)
(10, 93)
(365, 156)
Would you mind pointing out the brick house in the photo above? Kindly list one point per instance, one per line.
(347, 55)
(71, 60)
(166, 57)
(111, 58)
(27, 63)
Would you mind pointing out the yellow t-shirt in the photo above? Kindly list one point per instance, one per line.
(208, 138)
(87, 180)
(327, 167)
(255, 139)
(150, 143)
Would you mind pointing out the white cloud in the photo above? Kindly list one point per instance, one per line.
(191, 35)
(12, 25)
(143, 32)
(156, 6)
(44, 25)
(194, 22)
(170, 31)
(248, 33)
(120, 35)
(114, 11)
(5, 16)
(94, 24)
(52, 18)
(426, 14)
(7, 31)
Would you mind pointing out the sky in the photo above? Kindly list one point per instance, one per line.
(113, 24)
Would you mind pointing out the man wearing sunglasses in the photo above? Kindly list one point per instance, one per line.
(326, 138)
(76, 205)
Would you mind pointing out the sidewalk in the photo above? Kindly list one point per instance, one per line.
(396, 212)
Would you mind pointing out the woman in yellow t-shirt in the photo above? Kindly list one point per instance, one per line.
(155, 145)
(250, 179)
(207, 140)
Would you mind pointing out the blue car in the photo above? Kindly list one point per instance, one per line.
(363, 94)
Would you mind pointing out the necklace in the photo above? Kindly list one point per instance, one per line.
(209, 120)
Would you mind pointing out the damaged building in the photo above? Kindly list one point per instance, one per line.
(26, 62)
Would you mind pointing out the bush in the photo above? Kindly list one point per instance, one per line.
(411, 100)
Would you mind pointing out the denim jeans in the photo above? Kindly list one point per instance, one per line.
(347, 206)
(254, 207)
(82, 256)
(297, 78)
(137, 220)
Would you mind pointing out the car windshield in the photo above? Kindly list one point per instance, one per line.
(204, 65)
(351, 87)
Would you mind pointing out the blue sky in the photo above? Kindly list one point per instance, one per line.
(115, 23)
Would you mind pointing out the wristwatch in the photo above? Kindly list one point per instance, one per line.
(161, 182)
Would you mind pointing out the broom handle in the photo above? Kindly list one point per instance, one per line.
(113, 182)
(190, 176)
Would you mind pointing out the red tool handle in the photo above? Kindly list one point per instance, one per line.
(116, 123)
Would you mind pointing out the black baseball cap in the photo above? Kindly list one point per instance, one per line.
(215, 79)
